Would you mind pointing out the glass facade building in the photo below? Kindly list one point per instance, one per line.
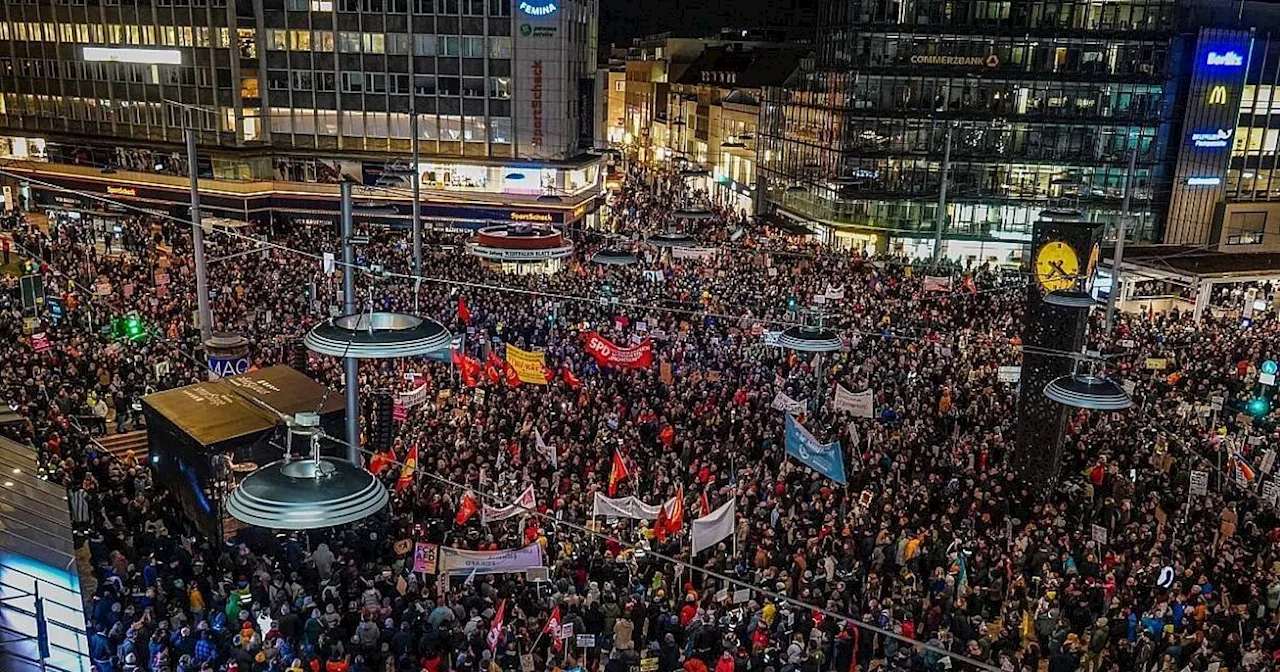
(1041, 104)
(307, 90)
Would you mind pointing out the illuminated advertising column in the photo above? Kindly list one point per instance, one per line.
(541, 105)
(1208, 133)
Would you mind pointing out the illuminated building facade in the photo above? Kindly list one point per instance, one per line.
(292, 96)
(1042, 103)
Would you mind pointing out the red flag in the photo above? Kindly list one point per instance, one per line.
(661, 524)
(406, 472)
(495, 632)
(469, 379)
(704, 506)
(492, 366)
(513, 378)
(553, 628)
(571, 379)
(379, 461)
(617, 472)
(467, 508)
(675, 519)
(464, 313)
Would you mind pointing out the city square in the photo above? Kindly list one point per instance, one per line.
(416, 335)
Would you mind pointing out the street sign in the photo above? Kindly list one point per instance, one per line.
(358, 240)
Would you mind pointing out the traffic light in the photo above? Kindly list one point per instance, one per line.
(1258, 407)
(129, 328)
(793, 304)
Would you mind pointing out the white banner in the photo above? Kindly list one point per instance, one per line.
(861, 404)
(458, 561)
(692, 252)
(714, 527)
(835, 293)
(771, 337)
(1009, 374)
(525, 502)
(414, 397)
(627, 507)
(786, 404)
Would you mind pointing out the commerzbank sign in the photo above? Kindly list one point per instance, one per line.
(931, 59)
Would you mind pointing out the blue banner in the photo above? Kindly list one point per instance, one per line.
(825, 458)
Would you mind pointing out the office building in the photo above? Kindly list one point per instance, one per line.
(291, 96)
(1023, 107)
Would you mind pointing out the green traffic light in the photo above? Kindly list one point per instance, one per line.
(1257, 407)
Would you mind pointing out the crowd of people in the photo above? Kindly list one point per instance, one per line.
(933, 556)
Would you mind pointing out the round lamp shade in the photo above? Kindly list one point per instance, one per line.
(614, 257)
(377, 336)
(1087, 391)
(306, 494)
(692, 213)
(810, 339)
(672, 239)
(1070, 298)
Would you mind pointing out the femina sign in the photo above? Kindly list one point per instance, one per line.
(538, 8)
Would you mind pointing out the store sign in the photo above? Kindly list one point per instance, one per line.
(536, 104)
(538, 217)
(1204, 181)
(1212, 139)
(1218, 95)
(225, 367)
(122, 191)
(1229, 59)
(538, 8)
(990, 61)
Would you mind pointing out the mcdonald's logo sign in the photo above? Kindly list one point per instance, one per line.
(1218, 95)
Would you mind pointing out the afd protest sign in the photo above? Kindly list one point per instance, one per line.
(825, 458)
(607, 353)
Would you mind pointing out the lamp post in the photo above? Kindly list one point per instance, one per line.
(350, 365)
(197, 238)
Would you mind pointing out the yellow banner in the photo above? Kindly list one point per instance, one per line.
(530, 366)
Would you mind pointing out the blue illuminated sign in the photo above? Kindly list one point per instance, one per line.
(539, 8)
(1212, 139)
(1226, 58)
(1204, 181)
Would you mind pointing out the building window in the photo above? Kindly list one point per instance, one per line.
(375, 83)
(449, 86)
(473, 7)
(473, 87)
(349, 43)
(499, 47)
(352, 82)
(297, 5)
(424, 85)
(302, 80)
(300, 40)
(424, 45)
(397, 43)
(1246, 228)
(500, 87)
(449, 45)
(424, 6)
(322, 40)
(375, 43)
(472, 47)
(500, 130)
(322, 5)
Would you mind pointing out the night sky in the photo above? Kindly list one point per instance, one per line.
(621, 20)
